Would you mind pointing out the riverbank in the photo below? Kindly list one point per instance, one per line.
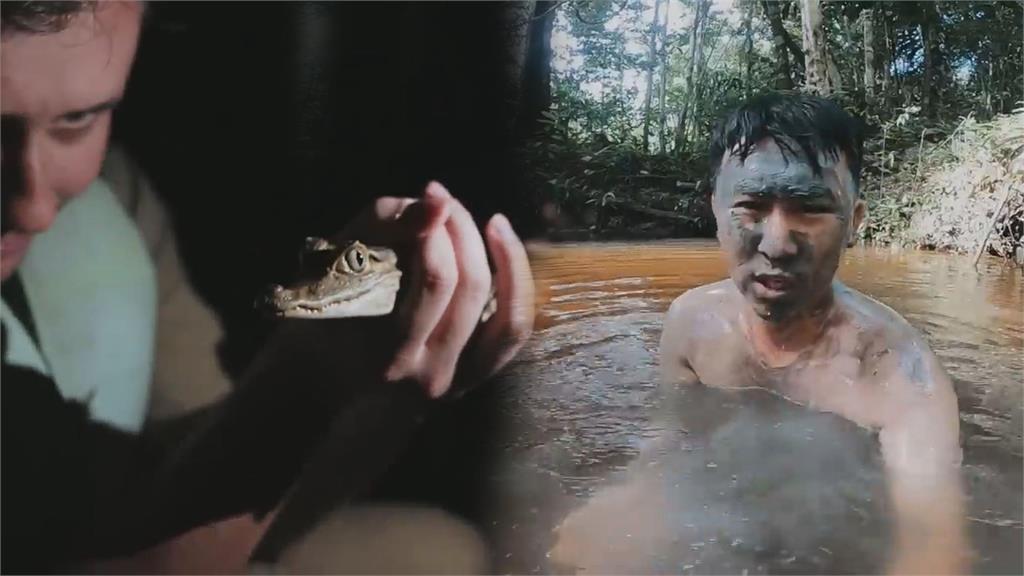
(958, 190)
(955, 188)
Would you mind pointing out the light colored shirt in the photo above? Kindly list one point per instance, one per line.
(120, 328)
(92, 292)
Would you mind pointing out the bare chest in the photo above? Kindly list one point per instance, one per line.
(840, 381)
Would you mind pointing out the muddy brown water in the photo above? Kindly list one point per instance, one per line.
(591, 479)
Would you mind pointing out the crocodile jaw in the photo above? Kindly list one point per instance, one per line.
(378, 301)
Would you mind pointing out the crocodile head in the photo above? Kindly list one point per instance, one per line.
(338, 281)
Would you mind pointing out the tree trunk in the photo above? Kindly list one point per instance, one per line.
(986, 88)
(926, 80)
(849, 27)
(652, 60)
(796, 52)
(537, 67)
(662, 144)
(696, 69)
(929, 41)
(783, 79)
(816, 76)
(888, 58)
(748, 48)
(515, 20)
(869, 53)
(835, 78)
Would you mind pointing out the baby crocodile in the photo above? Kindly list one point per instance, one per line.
(343, 281)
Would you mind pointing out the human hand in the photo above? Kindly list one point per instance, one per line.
(437, 339)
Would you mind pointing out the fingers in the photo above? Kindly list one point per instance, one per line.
(390, 208)
(471, 293)
(394, 221)
(450, 285)
(420, 218)
(434, 278)
(503, 336)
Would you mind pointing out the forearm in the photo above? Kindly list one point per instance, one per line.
(244, 452)
(921, 448)
(930, 529)
(75, 489)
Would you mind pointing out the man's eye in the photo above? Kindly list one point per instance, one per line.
(750, 206)
(76, 121)
(817, 209)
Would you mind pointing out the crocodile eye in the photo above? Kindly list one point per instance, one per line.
(356, 259)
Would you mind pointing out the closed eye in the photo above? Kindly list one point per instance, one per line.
(751, 205)
(819, 209)
(76, 120)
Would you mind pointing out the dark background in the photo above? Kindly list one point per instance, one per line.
(263, 123)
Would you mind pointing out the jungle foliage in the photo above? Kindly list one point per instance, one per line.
(636, 85)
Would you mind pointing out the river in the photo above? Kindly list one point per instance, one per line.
(740, 485)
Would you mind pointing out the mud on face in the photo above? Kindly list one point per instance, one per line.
(783, 226)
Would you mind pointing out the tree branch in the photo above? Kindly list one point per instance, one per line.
(552, 9)
(576, 10)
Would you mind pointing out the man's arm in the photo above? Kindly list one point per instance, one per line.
(75, 489)
(254, 444)
(921, 448)
(674, 349)
(125, 492)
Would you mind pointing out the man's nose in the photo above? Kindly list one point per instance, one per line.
(777, 241)
(33, 204)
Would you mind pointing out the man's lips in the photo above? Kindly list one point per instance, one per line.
(770, 285)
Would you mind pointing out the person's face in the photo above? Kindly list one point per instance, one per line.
(783, 228)
(57, 91)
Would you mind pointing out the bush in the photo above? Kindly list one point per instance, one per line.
(943, 195)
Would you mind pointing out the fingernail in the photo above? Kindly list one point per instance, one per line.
(503, 226)
(437, 190)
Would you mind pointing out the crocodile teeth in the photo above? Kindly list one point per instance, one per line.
(315, 307)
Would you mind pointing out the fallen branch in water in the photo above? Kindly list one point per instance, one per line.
(679, 183)
(1007, 189)
(630, 207)
(999, 523)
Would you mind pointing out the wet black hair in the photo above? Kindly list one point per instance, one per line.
(801, 124)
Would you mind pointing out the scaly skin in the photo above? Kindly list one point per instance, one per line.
(343, 281)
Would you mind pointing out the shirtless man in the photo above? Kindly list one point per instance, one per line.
(787, 203)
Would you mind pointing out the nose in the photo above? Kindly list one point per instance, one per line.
(777, 241)
(271, 298)
(32, 204)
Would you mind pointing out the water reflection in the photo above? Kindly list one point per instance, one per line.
(573, 492)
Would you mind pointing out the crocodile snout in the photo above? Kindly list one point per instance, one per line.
(273, 299)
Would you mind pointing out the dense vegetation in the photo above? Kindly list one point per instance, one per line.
(635, 86)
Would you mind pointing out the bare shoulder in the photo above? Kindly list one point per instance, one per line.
(916, 406)
(897, 354)
(702, 300)
(696, 317)
(704, 313)
(873, 318)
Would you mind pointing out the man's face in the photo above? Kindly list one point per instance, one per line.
(783, 228)
(57, 91)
